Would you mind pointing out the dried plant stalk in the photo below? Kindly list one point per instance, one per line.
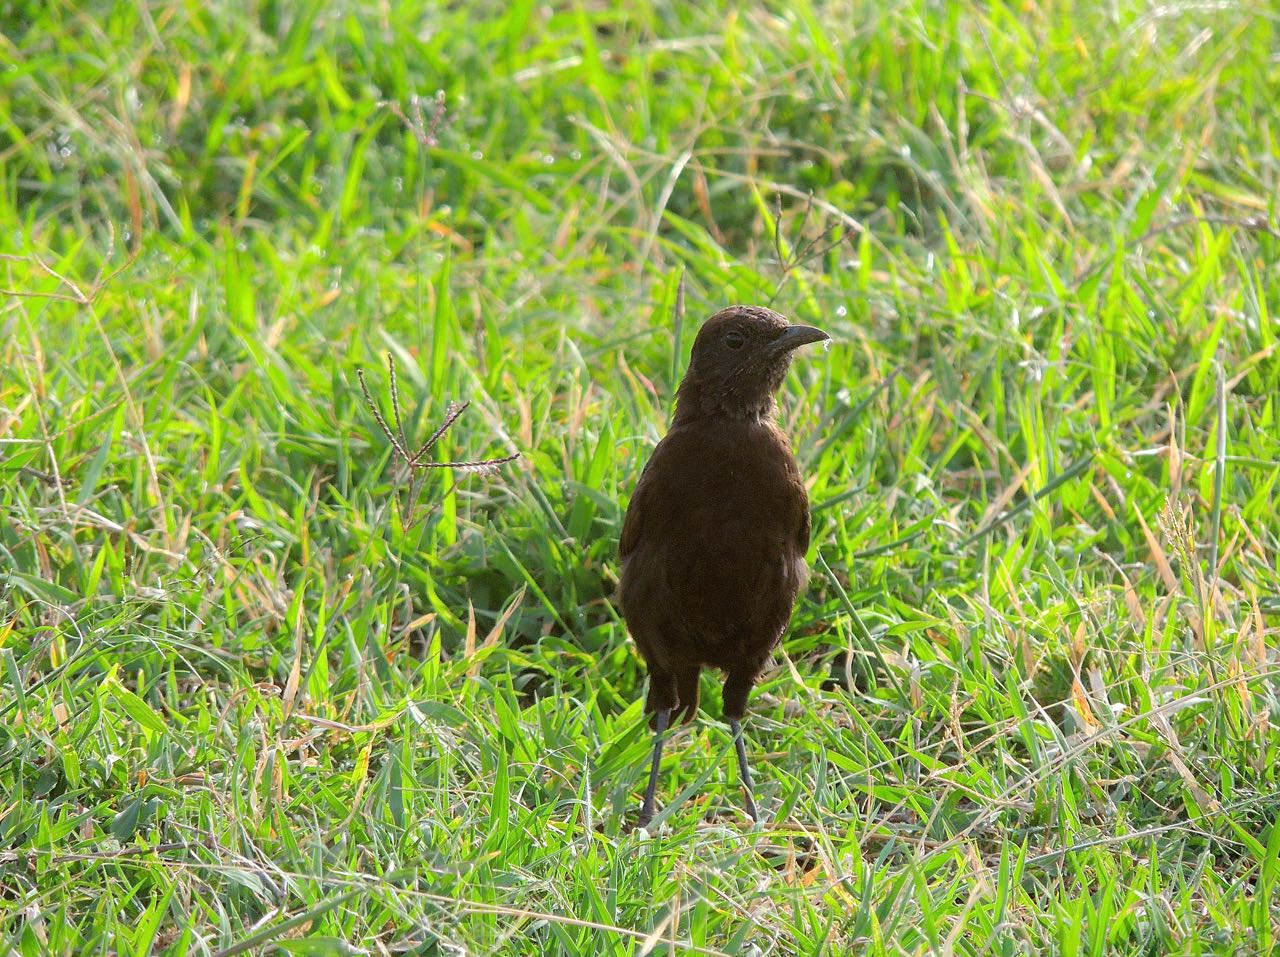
(418, 459)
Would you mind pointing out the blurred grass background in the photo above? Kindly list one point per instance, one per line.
(259, 694)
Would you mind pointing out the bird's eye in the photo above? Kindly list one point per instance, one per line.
(734, 339)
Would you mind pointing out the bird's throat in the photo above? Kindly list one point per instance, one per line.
(697, 403)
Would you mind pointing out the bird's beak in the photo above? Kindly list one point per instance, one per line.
(795, 336)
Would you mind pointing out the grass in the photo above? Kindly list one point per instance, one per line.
(261, 691)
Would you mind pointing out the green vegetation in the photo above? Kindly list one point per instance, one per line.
(261, 692)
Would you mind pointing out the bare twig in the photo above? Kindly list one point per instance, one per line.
(806, 248)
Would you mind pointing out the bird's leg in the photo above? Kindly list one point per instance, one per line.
(646, 810)
(736, 688)
(743, 771)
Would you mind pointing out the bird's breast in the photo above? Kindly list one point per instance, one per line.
(730, 508)
(713, 544)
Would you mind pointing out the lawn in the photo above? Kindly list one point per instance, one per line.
(263, 689)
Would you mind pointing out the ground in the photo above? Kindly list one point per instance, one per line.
(262, 688)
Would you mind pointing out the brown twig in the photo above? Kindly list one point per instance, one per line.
(806, 249)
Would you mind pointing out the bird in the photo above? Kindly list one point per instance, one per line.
(713, 543)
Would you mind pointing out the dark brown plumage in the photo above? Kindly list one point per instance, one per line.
(714, 539)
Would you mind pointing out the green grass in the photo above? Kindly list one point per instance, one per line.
(260, 692)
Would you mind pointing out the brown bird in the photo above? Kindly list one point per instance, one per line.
(714, 539)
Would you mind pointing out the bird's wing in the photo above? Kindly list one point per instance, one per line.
(635, 509)
(806, 520)
(795, 495)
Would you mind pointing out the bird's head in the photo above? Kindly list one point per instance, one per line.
(739, 359)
